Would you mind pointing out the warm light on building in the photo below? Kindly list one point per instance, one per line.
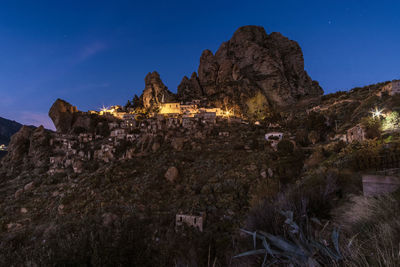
(170, 108)
(228, 113)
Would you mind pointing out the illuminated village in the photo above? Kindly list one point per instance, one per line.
(173, 122)
(127, 126)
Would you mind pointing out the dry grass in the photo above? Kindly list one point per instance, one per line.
(372, 227)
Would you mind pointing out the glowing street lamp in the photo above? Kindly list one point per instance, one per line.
(376, 113)
(104, 109)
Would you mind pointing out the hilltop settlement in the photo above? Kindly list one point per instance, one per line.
(169, 179)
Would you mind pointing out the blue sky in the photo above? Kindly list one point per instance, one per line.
(92, 53)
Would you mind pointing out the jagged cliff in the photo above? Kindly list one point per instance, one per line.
(155, 91)
(250, 63)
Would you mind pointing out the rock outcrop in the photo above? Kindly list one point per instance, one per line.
(190, 89)
(29, 149)
(68, 119)
(251, 62)
(62, 114)
(19, 146)
(39, 147)
(155, 91)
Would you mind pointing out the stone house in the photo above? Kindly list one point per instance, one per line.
(207, 117)
(130, 137)
(106, 153)
(118, 133)
(129, 124)
(339, 137)
(188, 122)
(191, 220)
(85, 137)
(226, 134)
(195, 102)
(56, 160)
(217, 111)
(170, 108)
(391, 89)
(173, 122)
(189, 109)
(113, 125)
(356, 133)
(53, 170)
(77, 166)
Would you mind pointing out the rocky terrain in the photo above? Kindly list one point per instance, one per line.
(105, 191)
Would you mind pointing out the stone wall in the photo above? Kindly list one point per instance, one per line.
(374, 185)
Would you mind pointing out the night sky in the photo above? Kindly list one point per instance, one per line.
(94, 53)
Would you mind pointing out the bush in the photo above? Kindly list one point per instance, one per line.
(314, 197)
(285, 147)
(372, 127)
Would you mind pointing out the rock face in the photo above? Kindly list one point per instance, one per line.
(19, 145)
(155, 91)
(39, 147)
(251, 62)
(68, 119)
(190, 89)
(62, 115)
(28, 147)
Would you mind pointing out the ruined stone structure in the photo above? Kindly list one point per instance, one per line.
(191, 220)
(356, 133)
(391, 89)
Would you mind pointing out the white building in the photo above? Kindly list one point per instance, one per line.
(274, 138)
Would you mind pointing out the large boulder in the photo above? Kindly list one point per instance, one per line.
(172, 174)
(62, 114)
(251, 63)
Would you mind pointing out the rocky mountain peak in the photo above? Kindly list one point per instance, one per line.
(250, 33)
(155, 90)
(251, 63)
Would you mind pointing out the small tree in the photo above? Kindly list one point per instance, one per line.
(258, 108)
(372, 126)
(285, 147)
(391, 122)
(314, 137)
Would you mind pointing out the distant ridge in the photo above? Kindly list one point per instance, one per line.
(7, 129)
